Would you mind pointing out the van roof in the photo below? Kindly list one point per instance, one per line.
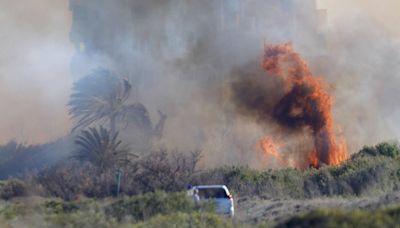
(210, 186)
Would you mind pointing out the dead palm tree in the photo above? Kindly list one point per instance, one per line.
(100, 97)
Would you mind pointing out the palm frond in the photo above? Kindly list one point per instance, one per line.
(96, 97)
(100, 147)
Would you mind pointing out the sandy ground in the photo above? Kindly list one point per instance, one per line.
(275, 211)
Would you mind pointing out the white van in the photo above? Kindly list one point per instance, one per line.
(219, 194)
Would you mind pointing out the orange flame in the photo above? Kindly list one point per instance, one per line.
(306, 104)
(270, 150)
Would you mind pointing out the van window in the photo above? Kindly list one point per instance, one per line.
(210, 193)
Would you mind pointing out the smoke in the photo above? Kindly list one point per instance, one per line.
(34, 70)
(363, 65)
(304, 106)
(185, 57)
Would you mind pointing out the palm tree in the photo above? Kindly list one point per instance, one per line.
(98, 97)
(101, 148)
(101, 98)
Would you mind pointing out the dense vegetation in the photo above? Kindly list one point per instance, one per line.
(388, 217)
(162, 209)
(157, 209)
(374, 170)
(152, 189)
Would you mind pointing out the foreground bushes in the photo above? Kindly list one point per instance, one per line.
(203, 220)
(163, 211)
(12, 188)
(341, 218)
(147, 205)
(159, 209)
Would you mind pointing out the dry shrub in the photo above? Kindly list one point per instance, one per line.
(167, 171)
(158, 171)
(12, 188)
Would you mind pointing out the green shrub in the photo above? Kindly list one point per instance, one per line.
(343, 218)
(385, 149)
(388, 149)
(59, 206)
(147, 205)
(374, 170)
(199, 220)
(85, 218)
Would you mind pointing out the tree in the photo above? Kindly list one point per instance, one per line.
(101, 148)
(102, 97)
(98, 97)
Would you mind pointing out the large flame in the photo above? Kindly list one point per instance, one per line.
(306, 103)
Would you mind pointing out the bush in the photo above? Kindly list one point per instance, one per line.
(166, 171)
(87, 218)
(385, 149)
(250, 182)
(374, 170)
(341, 218)
(144, 206)
(200, 220)
(59, 206)
(70, 180)
(158, 171)
(163, 210)
(12, 188)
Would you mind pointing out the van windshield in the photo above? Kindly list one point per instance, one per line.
(211, 193)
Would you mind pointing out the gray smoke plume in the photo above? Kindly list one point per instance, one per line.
(34, 70)
(183, 56)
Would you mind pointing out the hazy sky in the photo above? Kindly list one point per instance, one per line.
(35, 55)
(385, 12)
